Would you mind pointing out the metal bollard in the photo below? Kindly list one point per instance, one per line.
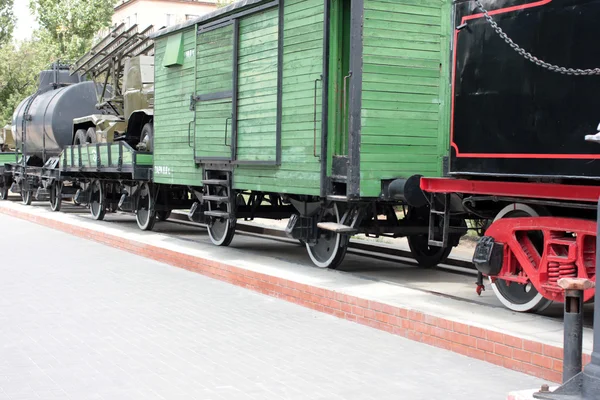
(586, 384)
(573, 320)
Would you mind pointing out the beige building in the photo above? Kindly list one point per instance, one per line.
(160, 13)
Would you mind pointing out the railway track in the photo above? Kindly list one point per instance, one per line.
(358, 247)
(392, 254)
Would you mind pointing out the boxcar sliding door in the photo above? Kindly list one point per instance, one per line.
(256, 114)
(214, 100)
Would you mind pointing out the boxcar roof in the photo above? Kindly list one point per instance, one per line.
(215, 15)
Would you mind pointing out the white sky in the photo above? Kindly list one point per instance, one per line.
(26, 22)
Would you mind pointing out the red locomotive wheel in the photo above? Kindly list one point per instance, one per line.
(517, 297)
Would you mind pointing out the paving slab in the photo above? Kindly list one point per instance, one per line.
(522, 342)
(79, 320)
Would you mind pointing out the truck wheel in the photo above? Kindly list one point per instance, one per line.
(147, 138)
(90, 135)
(80, 137)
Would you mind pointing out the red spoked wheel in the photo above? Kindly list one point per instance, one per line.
(538, 250)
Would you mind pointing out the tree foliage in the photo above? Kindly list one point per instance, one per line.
(72, 24)
(223, 3)
(19, 70)
(7, 21)
(67, 28)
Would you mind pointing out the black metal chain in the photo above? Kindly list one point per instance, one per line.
(530, 57)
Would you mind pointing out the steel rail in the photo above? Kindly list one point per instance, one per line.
(359, 247)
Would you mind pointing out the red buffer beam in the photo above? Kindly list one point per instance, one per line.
(534, 190)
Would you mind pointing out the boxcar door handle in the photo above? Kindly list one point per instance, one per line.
(344, 111)
(190, 134)
(315, 118)
(226, 119)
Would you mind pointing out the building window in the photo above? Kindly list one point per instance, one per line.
(190, 16)
(171, 19)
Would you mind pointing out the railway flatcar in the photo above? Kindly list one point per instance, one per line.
(524, 101)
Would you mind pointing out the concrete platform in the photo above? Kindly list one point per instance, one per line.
(95, 322)
(405, 305)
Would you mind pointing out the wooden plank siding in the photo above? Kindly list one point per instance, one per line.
(257, 95)
(405, 98)
(173, 154)
(214, 74)
(299, 172)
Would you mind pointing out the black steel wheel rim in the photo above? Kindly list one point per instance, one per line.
(4, 192)
(323, 253)
(518, 294)
(96, 199)
(163, 215)
(143, 209)
(422, 247)
(26, 196)
(55, 197)
(219, 229)
(515, 292)
(512, 291)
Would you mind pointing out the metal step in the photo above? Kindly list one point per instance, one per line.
(337, 198)
(218, 199)
(218, 214)
(335, 227)
(217, 182)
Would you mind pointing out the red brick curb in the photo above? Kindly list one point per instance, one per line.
(530, 357)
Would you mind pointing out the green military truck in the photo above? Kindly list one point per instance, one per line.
(123, 62)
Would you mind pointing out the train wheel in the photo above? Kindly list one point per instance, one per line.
(221, 231)
(145, 215)
(427, 256)
(26, 196)
(163, 215)
(516, 297)
(56, 196)
(4, 192)
(329, 250)
(97, 200)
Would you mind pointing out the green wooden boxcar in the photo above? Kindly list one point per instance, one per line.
(333, 106)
